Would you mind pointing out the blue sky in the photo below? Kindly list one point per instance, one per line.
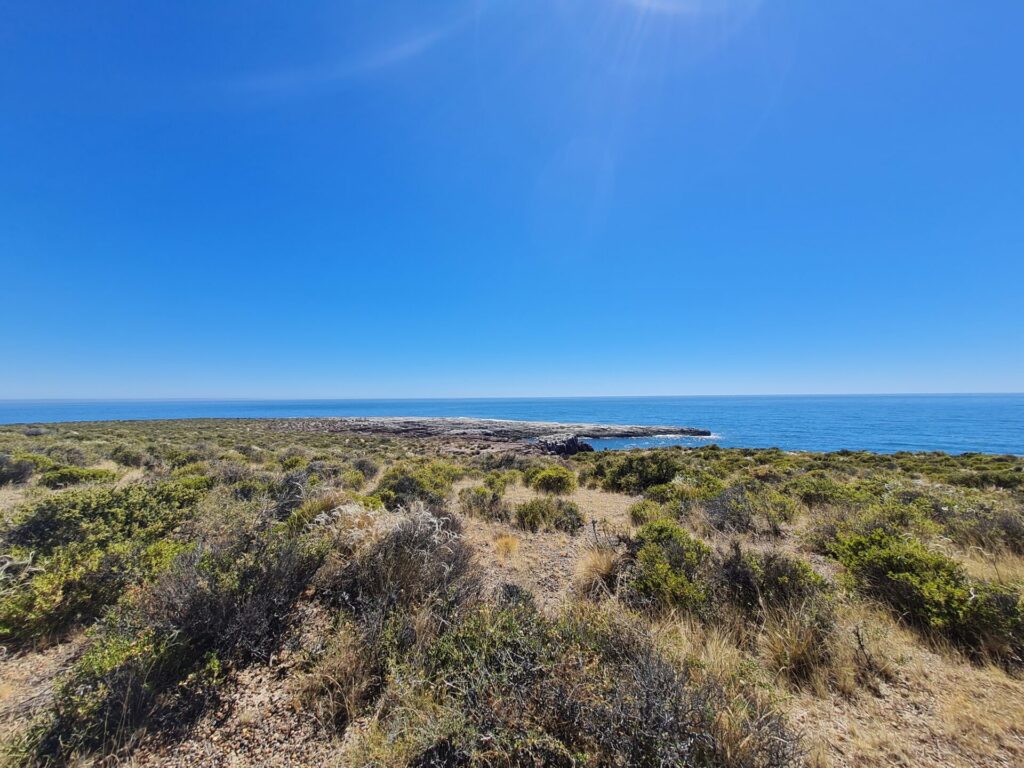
(539, 197)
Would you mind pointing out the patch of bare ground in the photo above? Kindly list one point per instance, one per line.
(26, 683)
(935, 710)
(256, 720)
(543, 562)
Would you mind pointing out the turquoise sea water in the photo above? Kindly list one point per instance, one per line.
(883, 423)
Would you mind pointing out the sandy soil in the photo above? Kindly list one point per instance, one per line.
(544, 562)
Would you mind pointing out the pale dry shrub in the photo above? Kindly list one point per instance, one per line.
(1000, 566)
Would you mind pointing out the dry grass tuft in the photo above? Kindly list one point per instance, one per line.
(991, 725)
(340, 683)
(710, 650)
(797, 647)
(595, 570)
(1000, 567)
(506, 546)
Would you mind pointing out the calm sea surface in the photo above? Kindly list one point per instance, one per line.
(883, 423)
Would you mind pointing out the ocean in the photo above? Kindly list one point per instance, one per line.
(881, 423)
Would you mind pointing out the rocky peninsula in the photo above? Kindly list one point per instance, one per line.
(542, 436)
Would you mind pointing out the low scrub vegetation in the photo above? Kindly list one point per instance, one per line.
(429, 483)
(549, 514)
(675, 627)
(485, 502)
(931, 591)
(557, 481)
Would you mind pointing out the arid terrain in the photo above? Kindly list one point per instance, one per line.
(392, 593)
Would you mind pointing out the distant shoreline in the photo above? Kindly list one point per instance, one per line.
(881, 424)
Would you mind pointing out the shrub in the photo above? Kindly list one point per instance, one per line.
(775, 507)
(669, 568)
(62, 477)
(663, 493)
(554, 480)
(289, 492)
(730, 511)
(128, 456)
(757, 582)
(697, 486)
(644, 512)
(588, 688)
(89, 545)
(67, 454)
(39, 462)
(933, 592)
(817, 489)
(635, 472)
(225, 597)
(430, 484)
(15, 470)
(549, 513)
(365, 466)
(310, 510)
(498, 482)
(974, 518)
(483, 502)
(423, 555)
(231, 591)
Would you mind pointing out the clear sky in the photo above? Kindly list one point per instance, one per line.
(526, 197)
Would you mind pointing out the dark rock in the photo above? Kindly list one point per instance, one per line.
(563, 444)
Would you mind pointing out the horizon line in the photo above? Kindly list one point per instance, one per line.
(486, 397)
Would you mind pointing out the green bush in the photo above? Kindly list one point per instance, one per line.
(88, 546)
(772, 505)
(498, 482)
(63, 477)
(549, 513)
(353, 479)
(483, 502)
(758, 582)
(663, 493)
(669, 567)
(557, 481)
(129, 456)
(644, 511)
(429, 483)
(817, 488)
(932, 592)
(635, 472)
(699, 485)
(226, 597)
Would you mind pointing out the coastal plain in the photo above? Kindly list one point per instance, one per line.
(433, 592)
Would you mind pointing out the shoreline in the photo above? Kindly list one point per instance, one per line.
(497, 429)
